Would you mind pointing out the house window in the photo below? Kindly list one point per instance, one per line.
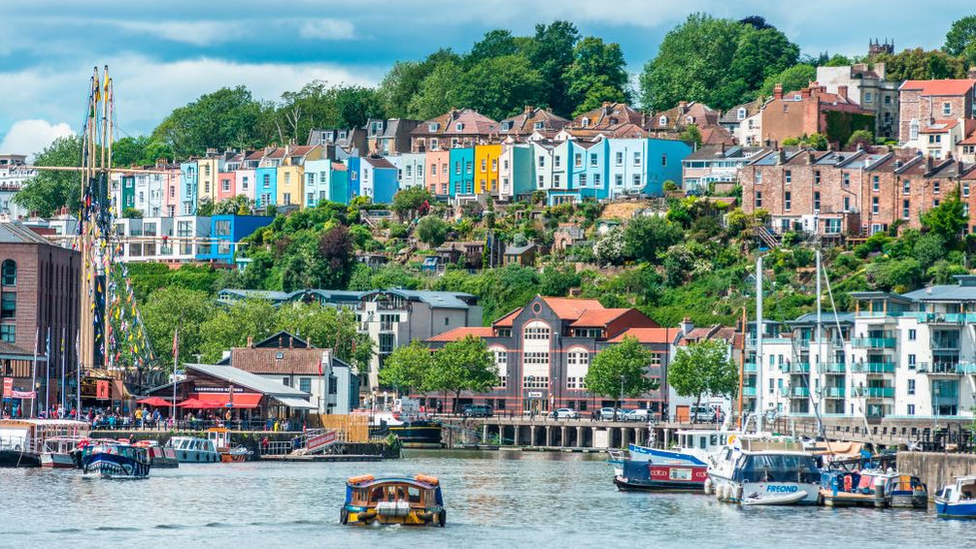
(911, 409)
(501, 363)
(905, 208)
(874, 205)
(596, 180)
(741, 114)
(965, 188)
(592, 159)
(867, 97)
(759, 199)
(582, 179)
(8, 272)
(484, 165)
(637, 180)
(875, 183)
(913, 130)
(541, 182)
(789, 176)
(459, 126)
(536, 331)
(305, 385)
(557, 161)
(433, 144)
(816, 177)
(542, 161)
(577, 160)
(946, 109)
(816, 201)
(467, 167)
(906, 186)
(935, 187)
(555, 180)
(637, 159)
(911, 386)
(585, 122)
(911, 362)
(8, 333)
(267, 180)
(8, 305)
(758, 178)
(409, 170)
(618, 180)
(847, 179)
(662, 121)
(788, 201)
(457, 168)
(619, 158)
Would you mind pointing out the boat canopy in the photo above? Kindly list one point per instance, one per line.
(367, 481)
(773, 467)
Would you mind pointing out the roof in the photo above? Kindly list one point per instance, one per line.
(939, 126)
(15, 233)
(248, 380)
(825, 318)
(270, 295)
(378, 162)
(519, 250)
(648, 335)
(597, 317)
(524, 122)
(709, 333)
(463, 332)
(271, 360)
(9, 351)
(472, 122)
(607, 116)
(939, 87)
(443, 300)
(731, 116)
(569, 308)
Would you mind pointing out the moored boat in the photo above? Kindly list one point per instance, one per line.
(878, 489)
(220, 437)
(642, 476)
(115, 460)
(413, 431)
(22, 441)
(193, 449)
(159, 457)
(958, 499)
(394, 500)
(57, 452)
(767, 473)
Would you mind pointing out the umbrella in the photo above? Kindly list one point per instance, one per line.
(155, 401)
(197, 404)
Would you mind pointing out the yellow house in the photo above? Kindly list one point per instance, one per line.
(209, 168)
(486, 168)
(291, 173)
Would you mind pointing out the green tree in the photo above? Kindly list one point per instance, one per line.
(49, 191)
(621, 368)
(919, 64)
(692, 134)
(407, 202)
(862, 138)
(558, 280)
(231, 326)
(238, 204)
(462, 365)
(598, 73)
(759, 54)
(703, 368)
(838, 60)
(495, 43)
(407, 367)
(961, 35)
(794, 78)
(441, 91)
(551, 53)
(947, 219)
(647, 236)
(229, 117)
(328, 328)
(501, 86)
(399, 86)
(432, 230)
(899, 275)
(320, 104)
(168, 308)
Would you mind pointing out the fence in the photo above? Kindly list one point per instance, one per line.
(351, 428)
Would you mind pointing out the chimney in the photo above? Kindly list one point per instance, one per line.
(842, 91)
(971, 73)
(687, 326)
(778, 91)
(528, 109)
(722, 148)
(810, 158)
(928, 163)
(250, 341)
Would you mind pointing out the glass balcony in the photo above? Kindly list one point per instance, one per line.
(834, 392)
(799, 392)
(749, 367)
(940, 368)
(832, 368)
(874, 342)
(967, 368)
(876, 392)
(873, 367)
(795, 367)
(749, 391)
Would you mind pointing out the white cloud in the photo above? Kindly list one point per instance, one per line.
(327, 29)
(197, 33)
(32, 136)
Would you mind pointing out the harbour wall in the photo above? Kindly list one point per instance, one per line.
(936, 469)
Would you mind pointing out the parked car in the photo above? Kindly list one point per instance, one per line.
(564, 413)
(640, 414)
(477, 410)
(703, 414)
(608, 413)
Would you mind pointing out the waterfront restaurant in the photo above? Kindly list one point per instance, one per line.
(249, 397)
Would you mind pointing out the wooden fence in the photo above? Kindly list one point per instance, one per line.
(352, 428)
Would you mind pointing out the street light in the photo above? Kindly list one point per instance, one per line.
(620, 403)
(528, 381)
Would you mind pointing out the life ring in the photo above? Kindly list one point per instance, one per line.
(731, 439)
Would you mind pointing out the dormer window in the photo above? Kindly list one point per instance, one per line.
(432, 127)
(459, 126)
(506, 126)
(690, 119)
(663, 121)
(741, 114)
(342, 135)
(538, 125)
(585, 122)
(796, 97)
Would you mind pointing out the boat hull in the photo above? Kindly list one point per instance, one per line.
(16, 458)
(965, 510)
(414, 434)
(197, 456)
(648, 477)
(409, 517)
(626, 485)
(766, 493)
(114, 466)
(57, 461)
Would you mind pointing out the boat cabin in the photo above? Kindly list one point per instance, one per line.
(776, 467)
(192, 444)
(962, 490)
(419, 492)
(708, 442)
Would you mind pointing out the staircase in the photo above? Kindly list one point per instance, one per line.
(767, 237)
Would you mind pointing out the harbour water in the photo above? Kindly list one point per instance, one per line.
(494, 499)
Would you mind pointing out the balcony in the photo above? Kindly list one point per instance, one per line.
(967, 368)
(873, 367)
(875, 392)
(749, 367)
(795, 392)
(795, 367)
(749, 391)
(940, 368)
(832, 368)
(945, 318)
(874, 342)
(945, 345)
(834, 392)
(386, 326)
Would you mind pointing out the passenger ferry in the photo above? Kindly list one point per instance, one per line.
(23, 441)
(765, 473)
(394, 500)
(957, 500)
(193, 449)
(115, 460)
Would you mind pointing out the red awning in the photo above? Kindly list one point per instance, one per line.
(241, 400)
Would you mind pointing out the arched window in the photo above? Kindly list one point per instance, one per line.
(913, 128)
(8, 272)
(577, 365)
(536, 330)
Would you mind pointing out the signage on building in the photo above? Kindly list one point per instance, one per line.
(535, 394)
(24, 394)
(102, 389)
(8, 387)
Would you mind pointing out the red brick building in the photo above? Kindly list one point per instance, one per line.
(39, 285)
(921, 102)
(813, 110)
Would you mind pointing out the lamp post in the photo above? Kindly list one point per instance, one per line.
(528, 381)
(620, 403)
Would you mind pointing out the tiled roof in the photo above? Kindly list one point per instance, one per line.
(608, 115)
(278, 152)
(592, 318)
(248, 380)
(939, 126)
(472, 123)
(15, 233)
(463, 332)
(731, 116)
(716, 135)
(256, 155)
(648, 335)
(524, 122)
(301, 150)
(379, 163)
(271, 360)
(569, 308)
(444, 300)
(940, 87)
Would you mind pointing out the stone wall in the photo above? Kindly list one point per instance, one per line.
(936, 469)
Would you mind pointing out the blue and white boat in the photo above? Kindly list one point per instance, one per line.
(765, 476)
(957, 500)
(115, 460)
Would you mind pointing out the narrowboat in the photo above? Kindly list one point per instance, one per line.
(394, 500)
(193, 449)
(642, 476)
(413, 431)
(762, 475)
(878, 489)
(159, 457)
(115, 460)
(957, 500)
(23, 441)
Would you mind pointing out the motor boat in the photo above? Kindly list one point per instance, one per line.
(193, 449)
(765, 473)
(394, 500)
(957, 500)
(115, 460)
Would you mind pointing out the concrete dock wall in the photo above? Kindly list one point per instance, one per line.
(936, 469)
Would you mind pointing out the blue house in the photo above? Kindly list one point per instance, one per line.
(462, 172)
(226, 231)
(353, 185)
(664, 158)
(189, 178)
(378, 179)
(266, 186)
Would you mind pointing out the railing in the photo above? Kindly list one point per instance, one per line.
(873, 367)
(944, 318)
(795, 392)
(834, 392)
(878, 314)
(939, 368)
(795, 367)
(936, 345)
(832, 367)
(875, 392)
(386, 326)
(749, 391)
(874, 342)
(749, 367)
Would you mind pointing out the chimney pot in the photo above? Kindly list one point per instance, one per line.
(250, 341)
(842, 91)
(778, 91)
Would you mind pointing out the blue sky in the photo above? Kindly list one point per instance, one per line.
(164, 54)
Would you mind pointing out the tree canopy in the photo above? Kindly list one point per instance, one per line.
(961, 36)
(703, 368)
(228, 117)
(622, 366)
(462, 365)
(407, 367)
(48, 191)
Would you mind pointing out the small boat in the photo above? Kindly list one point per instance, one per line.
(22, 441)
(878, 489)
(957, 500)
(159, 457)
(220, 437)
(193, 449)
(115, 460)
(638, 476)
(58, 452)
(394, 500)
(414, 431)
(765, 473)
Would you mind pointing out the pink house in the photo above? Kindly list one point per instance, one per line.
(438, 172)
(226, 185)
(171, 191)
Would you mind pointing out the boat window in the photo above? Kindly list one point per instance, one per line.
(702, 442)
(184, 444)
(714, 440)
(377, 494)
(777, 468)
(414, 494)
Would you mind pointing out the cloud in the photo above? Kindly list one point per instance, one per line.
(327, 29)
(196, 33)
(32, 136)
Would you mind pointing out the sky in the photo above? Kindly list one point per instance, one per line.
(166, 53)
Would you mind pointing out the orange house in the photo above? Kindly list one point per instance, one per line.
(486, 168)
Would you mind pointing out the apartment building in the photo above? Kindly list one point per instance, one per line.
(867, 86)
(927, 103)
